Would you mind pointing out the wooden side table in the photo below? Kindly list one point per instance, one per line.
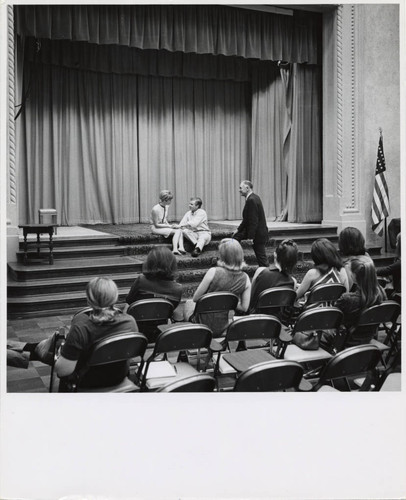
(38, 229)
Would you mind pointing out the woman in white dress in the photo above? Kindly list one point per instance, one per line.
(160, 224)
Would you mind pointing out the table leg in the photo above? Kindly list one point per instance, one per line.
(25, 249)
(51, 248)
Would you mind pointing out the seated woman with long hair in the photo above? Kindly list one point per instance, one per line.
(328, 267)
(394, 271)
(351, 244)
(158, 278)
(86, 329)
(278, 274)
(367, 293)
(227, 276)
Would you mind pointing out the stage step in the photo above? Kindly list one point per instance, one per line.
(40, 289)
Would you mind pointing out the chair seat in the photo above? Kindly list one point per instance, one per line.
(327, 388)
(242, 360)
(295, 353)
(125, 386)
(392, 383)
(182, 370)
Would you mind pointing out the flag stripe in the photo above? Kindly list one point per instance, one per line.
(380, 198)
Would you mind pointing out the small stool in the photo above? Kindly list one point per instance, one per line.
(48, 211)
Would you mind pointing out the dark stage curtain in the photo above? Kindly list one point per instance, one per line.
(199, 29)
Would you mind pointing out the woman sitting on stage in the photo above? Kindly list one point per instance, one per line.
(160, 224)
(351, 244)
(278, 274)
(328, 267)
(85, 330)
(157, 278)
(367, 293)
(227, 276)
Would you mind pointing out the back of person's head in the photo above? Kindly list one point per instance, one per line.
(364, 272)
(165, 195)
(325, 255)
(286, 256)
(231, 255)
(248, 183)
(351, 242)
(160, 264)
(198, 201)
(102, 294)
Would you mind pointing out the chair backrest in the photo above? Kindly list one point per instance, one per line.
(202, 382)
(351, 361)
(370, 319)
(321, 318)
(117, 347)
(253, 327)
(182, 337)
(270, 376)
(215, 302)
(149, 314)
(326, 294)
(274, 300)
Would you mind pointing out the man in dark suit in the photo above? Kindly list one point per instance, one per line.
(253, 226)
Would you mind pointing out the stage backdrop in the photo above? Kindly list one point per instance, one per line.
(105, 125)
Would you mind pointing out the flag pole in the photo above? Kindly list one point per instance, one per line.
(386, 235)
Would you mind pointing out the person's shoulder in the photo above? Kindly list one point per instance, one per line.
(156, 207)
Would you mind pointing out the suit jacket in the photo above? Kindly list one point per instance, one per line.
(253, 225)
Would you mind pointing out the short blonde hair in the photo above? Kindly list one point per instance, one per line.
(231, 255)
(165, 195)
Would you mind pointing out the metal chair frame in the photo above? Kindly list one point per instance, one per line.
(149, 314)
(202, 382)
(270, 376)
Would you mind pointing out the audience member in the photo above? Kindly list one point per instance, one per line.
(328, 267)
(85, 330)
(393, 231)
(393, 270)
(160, 224)
(227, 276)
(19, 354)
(367, 293)
(157, 279)
(351, 244)
(278, 274)
(195, 227)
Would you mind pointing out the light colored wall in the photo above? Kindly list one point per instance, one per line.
(381, 102)
(361, 92)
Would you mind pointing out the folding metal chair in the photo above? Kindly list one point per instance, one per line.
(270, 376)
(202, 382)
(212, 304)
(149, 314)
(324, 295)
(116, 348)
(173, 339)
(276, 302)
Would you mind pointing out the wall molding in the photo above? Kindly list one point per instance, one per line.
(12, 184)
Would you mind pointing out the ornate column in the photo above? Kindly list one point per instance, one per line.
(342, 116)
(11, 159)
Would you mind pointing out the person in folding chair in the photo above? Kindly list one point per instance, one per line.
(19, 354)
(278, 274)
(351, 244)
(227, 276)
(393, 271)
(104, 320)
(367, 293)
(328, 268)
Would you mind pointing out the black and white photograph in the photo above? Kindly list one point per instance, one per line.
(202, 199)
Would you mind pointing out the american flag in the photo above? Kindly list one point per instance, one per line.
(380, 201)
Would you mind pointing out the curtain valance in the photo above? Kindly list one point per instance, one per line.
(199, 29)
(128, 60)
